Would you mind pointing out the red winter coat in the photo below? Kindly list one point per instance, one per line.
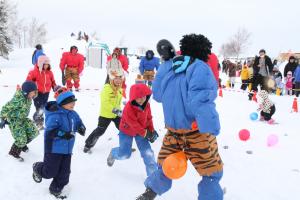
(44, 79)
(135, 119)
(124, 61)
(213, 63)
(73, 61)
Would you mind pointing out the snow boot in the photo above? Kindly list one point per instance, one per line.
(15, 152)
(250, 95)
(271, 121)
(147, 195)
(87, 149)
(110, 159)
(261, 118)
(40, 126)
(58, 195)
(25, 149)
(35, 175)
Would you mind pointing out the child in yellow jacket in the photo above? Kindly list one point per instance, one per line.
(111, 97)
(244, 77)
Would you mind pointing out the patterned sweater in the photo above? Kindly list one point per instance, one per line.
(265, 102)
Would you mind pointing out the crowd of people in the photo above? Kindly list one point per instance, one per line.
(184, 82)
(262, 71)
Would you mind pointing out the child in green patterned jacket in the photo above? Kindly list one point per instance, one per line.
(15, 114)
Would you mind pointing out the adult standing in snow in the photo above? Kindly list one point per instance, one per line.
(122, 58)
(71, 65)
(262, 69)
(43, 77)
(187, 89)
(147, 65)
(231, 71)
(37, 53)
(124, 62)
(290, 67)
(297, 81)
(113, 65)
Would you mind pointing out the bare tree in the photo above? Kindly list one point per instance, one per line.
(24, 34)
(36, 32)
(13, 22)
(5, 40)
(225, 51)
(240, 41)
(237, 44)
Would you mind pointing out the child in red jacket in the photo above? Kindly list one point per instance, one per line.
(43, 77)
(71, 65)
(136, 123)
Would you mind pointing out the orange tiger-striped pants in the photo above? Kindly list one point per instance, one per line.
(201, 149)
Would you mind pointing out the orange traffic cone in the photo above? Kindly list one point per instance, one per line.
(254, 97)
(220, 92)
(295, 105)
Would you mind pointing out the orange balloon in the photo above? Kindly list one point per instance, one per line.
(175, 165)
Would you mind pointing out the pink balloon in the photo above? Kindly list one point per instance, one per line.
(272, 140)
(244, 134)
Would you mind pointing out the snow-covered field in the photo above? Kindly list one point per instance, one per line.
(269, 173)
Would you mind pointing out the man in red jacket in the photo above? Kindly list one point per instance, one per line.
(136, 123)
(72, 63)
(124, 62)
(43, 77)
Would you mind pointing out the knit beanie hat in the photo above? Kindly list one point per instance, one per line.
(38, 47)
(28, 86)
(43, 60)
(65, 98)
(114, 73)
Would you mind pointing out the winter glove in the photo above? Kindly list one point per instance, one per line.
(81, 130)
(67, 135)
(151, 136)
(56, 88)
(2, 123)
(117, 111)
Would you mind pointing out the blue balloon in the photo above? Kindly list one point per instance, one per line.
(253, 116)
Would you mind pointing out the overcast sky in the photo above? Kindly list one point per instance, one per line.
(274, 24)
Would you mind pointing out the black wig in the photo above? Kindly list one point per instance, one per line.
(196, 46)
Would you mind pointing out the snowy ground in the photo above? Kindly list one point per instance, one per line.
(269, 173)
